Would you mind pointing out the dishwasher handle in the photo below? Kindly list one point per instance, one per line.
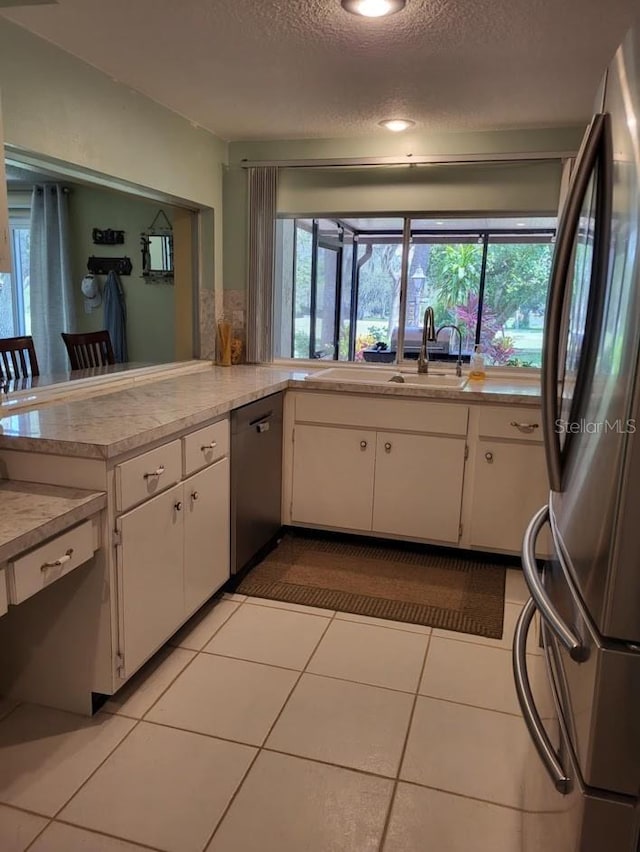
(262, 423)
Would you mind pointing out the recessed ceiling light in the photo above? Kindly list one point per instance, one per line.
(520, 224)
(397, 124)
(373, 8)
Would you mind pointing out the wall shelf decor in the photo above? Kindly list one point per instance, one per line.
(104, 265)
(107, 237)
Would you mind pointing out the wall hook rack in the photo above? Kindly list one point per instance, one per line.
(107, 237)
(104, 265)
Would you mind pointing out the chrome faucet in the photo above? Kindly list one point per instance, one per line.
(428, 336)
(459, 361)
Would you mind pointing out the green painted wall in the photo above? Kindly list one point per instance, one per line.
(385, 144)
(69, 114)
(150, 307)
(450, 189)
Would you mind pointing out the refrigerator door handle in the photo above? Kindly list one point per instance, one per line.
(563, 254)
(544, 747)
(572, 643)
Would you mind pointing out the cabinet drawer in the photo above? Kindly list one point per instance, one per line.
(366, 412)
(3, 591)
(40, 567)
(525, 424)
(205, 446)
(148, 474)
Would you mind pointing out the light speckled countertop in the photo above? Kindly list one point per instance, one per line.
(111, 424)
(32, 513)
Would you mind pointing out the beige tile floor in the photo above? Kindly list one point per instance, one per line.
(272, 728)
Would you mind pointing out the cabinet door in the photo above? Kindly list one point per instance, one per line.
(150, 575)
(418, 491)
(509, 486)
(333, 477)
(206, 534)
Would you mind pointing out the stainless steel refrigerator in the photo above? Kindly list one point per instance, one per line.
(587, 595)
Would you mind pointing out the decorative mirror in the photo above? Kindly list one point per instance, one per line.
(157, 250)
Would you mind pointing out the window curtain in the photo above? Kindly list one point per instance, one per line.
(263, 185)
(51, 293)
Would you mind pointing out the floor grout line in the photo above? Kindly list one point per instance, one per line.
(387, 822)
(140, 843)
(322, 611)
(471, 706)
(261, 747)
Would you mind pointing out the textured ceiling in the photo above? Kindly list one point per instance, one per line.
(284, 69)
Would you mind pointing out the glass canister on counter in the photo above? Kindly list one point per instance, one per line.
(477, 368)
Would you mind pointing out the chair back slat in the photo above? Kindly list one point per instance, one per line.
(18, 356)
(89, 350)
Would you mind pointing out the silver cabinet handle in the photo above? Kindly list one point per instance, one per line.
(178, 506)
(571, 642)
(58, 562)
(195, 496)
(210, 446)
(544, 747)
(363, 445)
(489, 457)
(524, 427)
(158, 472)
(387, 446)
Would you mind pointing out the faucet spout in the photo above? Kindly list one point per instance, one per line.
(459, 361)
(428, 336)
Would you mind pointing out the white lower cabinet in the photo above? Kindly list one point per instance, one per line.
(150, 576)
(206, 534)
(450, 474)
(172, 555)
(333, 472)
(418, 486)
(385, 482)
(509, 485)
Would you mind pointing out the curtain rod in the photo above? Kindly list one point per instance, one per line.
(411, 159)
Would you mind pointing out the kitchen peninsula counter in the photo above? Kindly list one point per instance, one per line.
(32, 513)
(111, 424)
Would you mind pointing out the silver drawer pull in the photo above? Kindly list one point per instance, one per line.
(210, 446)
(363, 445)
(195, 496)
(158, 472)
(525, 427)
(178, 505)
(58, 562)
(387, 446)
(489, 457)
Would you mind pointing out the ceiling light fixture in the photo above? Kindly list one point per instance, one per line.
(373, 8)
(397, 125)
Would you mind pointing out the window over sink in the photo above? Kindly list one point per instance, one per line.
(356, 288)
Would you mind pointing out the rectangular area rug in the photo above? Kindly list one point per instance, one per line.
(411, 583)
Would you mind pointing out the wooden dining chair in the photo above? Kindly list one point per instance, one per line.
(89, 350)
(17, 358)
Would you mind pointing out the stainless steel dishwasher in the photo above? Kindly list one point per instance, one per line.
(256, 478)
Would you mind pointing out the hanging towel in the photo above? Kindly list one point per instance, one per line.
(115, 316)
